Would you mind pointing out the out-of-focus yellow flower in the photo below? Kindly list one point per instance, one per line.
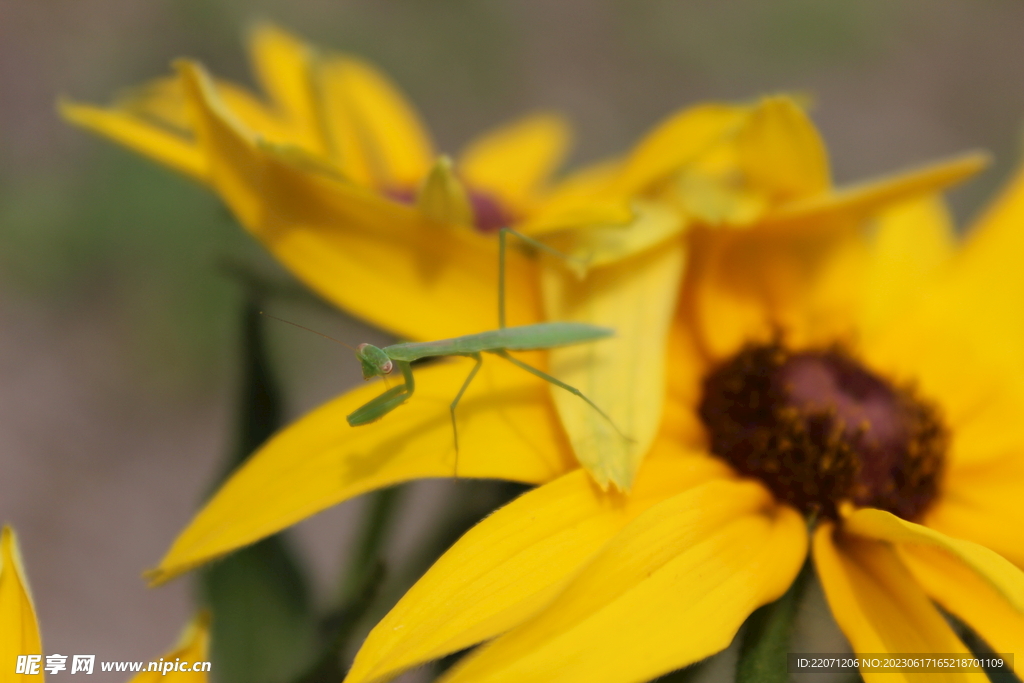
(338, 178)
(19, 629)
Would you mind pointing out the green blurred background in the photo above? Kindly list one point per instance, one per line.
(118, 333)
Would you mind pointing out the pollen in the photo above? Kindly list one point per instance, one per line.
(821, 430)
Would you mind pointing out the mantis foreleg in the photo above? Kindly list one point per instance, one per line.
(386, 402)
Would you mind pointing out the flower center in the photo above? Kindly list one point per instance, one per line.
(819, 429)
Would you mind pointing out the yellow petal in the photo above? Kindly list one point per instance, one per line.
(745, 286)
(19, 630)
(378, 135)
(515, 161)
(624, 375)
(596, 245)
(372, 257)
(885, 526)
(285, 68)
(987, 285)
(981, 501)
(507, 430)
(781, 152)
(443, 199)
(866, 284)
(161, 100)
(962, 592)
(855, 202)
(879, 606)
(672, 588)
(912, 242)
(679, 140)
(515, 561)
(192, 648)
(160, 144)
(580, 200)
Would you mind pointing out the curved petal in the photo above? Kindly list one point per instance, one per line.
(861, 200)
(516, 160)
(678, 140)
(625, 375)
(745, 286)
(378, 137)
(581, 200)
(962, 592)
(971, 313)
(192, 648)
(912, 242)
(507, 430)
(986, 289)
(284, 67)
(982, 503)
(780, 151)
(596, 245)
(672, 588)
(158, 143)
(885, 526)
(372, 257)
(867, 283)
(514, 562)
(19, 630)
(878, 604)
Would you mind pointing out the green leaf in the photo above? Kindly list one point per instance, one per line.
(264, 629)
(766, 637)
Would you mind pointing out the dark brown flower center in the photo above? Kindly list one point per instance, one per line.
(820, 429)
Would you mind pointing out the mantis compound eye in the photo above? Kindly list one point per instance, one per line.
(387, 367)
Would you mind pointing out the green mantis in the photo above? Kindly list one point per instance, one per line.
(383, 361)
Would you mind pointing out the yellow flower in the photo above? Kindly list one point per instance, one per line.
(895, 424)
(338, 178)
(19, 628)
(708, 169)
(506, 425)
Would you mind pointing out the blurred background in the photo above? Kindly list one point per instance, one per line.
(119, 335)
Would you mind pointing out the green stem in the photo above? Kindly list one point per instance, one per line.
(766, 636)
(368, 550)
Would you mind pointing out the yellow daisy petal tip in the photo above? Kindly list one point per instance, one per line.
(192, 648)
(443, 198)
(19, 628)
(1000, 573)
(781, 151)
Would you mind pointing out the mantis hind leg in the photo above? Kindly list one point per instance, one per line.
(458, 397)
(559, 383)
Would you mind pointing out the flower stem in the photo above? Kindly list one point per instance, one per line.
(766, 636)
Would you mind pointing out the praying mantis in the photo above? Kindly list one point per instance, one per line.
(381, 362)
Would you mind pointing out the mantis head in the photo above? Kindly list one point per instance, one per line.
(374, 361)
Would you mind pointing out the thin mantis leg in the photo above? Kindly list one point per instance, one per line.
(501, 264)
(386, 402)
(458, 397)
(558, 383)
